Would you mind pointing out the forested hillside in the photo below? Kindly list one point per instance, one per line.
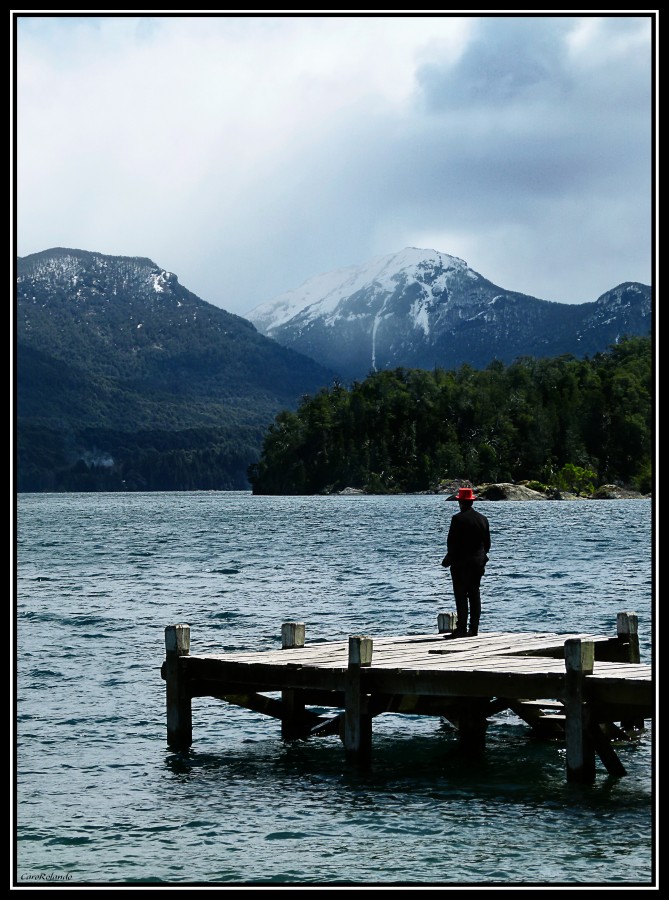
(128, 381)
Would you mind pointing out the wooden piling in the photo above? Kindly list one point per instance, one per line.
(446, 622)
(579, 661)
(472, 725)
(292, 635)
(179, 711)
(292, 701)
(357, 720)
(627, 626)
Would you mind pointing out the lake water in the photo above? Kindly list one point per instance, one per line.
(101, 799)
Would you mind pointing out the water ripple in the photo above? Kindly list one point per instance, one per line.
(101, 798)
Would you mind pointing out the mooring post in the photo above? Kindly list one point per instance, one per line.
(627, 627)
(446, 622)
(357, 721)
(579, 656)
(179, 711)
(292, 635)
(292, 702)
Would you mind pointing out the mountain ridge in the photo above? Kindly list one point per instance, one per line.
(423, 308)
(115, 359)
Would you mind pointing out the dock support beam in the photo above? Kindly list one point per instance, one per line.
(292, 702)
(579, 658)
(179, 711)
(357, 720)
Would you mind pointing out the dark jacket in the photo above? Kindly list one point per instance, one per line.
(468, 538)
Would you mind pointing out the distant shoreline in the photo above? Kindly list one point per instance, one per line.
(494, 493)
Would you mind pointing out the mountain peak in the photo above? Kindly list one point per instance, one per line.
(329, 288)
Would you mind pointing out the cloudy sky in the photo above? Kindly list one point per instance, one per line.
(248, 153)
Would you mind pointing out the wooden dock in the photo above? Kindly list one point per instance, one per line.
(586, 690)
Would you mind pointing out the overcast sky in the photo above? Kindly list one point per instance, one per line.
(247, 154)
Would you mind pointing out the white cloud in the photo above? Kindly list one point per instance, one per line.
(249, 153)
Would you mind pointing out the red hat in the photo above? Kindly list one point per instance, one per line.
(465, 493)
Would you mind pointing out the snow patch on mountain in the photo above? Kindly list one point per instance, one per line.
(419, 316)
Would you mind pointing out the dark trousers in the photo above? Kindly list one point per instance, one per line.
(467, 589)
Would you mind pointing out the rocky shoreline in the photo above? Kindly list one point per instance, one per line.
(509, 491)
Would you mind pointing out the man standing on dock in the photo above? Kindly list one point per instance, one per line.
(468, 543)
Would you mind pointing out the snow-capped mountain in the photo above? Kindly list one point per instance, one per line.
(422, 308)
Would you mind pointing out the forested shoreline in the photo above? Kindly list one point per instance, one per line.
(409, 430)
